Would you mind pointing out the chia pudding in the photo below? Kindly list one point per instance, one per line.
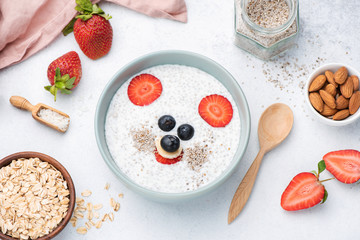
(131, 132)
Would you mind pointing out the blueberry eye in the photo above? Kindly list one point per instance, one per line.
(166, 123)
(185, 132)
(170, 143)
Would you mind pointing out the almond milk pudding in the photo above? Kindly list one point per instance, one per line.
(185, 96)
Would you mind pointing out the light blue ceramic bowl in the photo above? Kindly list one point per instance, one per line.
(182, 58)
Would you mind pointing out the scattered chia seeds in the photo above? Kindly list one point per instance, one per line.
(284, 72)
(197, 156)
(144, 140)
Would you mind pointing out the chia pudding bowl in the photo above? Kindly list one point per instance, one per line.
(181, 141)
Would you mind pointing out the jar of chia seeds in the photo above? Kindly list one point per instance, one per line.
(266, 28)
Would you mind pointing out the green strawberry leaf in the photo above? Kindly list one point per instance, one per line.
(84, 17)
(79, 9)
(321, 166)
(106, 16)
(53, 91)
(57, 73)
(314, 172)
(65, 91)
(86, 5)
(325, 197)
(60, 85)
(87, 10)
(96, 9)
(70, 83)
(64, 78)
(69, 27)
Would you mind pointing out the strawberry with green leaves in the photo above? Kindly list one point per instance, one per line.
(64, 74)
(92, 29)
(305, 190)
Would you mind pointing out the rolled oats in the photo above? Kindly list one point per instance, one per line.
(34, 198)
(98, 224)
(81, 230)
(98, 206)
(86, 193)
(111, 216)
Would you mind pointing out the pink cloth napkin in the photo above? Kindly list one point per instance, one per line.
(28, 26)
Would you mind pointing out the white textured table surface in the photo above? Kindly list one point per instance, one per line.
(329, 33)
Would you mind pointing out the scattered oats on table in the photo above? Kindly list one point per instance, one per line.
(91, 212)
(86, 193)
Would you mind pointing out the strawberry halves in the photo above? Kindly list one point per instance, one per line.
(304, 191)
(344, 165)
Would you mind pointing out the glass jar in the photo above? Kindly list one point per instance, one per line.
(262, 42)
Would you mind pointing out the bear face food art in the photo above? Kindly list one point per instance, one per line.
(172, 128)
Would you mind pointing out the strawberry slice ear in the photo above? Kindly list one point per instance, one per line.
(62, 83)
(86, 10)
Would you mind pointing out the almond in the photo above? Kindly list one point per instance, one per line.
(331, 89)
(341, 75)
(327, 111)
(347, 88)
(355, 82)
(354, 102)
(340, 115)
(317, 83)
(330, 78)
(342, 103)
(328, 99)
(316, 101)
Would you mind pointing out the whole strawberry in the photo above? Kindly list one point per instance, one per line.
(64, 73)
(92, 30)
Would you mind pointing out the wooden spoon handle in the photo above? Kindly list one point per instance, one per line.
(244, 190)
(21, 103)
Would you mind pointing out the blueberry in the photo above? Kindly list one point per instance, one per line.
(170, 143)
(166, 123)
(185, 132)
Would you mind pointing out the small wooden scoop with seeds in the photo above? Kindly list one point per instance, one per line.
(47, 115)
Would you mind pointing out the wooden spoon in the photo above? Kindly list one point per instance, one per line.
(24, 104)
(274, 126)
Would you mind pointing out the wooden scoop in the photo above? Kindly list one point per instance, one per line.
(24, 104)
(274, 126)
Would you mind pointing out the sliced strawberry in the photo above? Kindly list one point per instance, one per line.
(344, 165)
(304, 191)
(144, 89)
(216, 110)
(168, 161)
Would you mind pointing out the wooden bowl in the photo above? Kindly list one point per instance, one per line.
(7, 160)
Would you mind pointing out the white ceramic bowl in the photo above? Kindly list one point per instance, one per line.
(172, 57)
(321, 70)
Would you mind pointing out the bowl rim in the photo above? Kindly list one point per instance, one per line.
(321, 70)
(46, 158)
(165, 196)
